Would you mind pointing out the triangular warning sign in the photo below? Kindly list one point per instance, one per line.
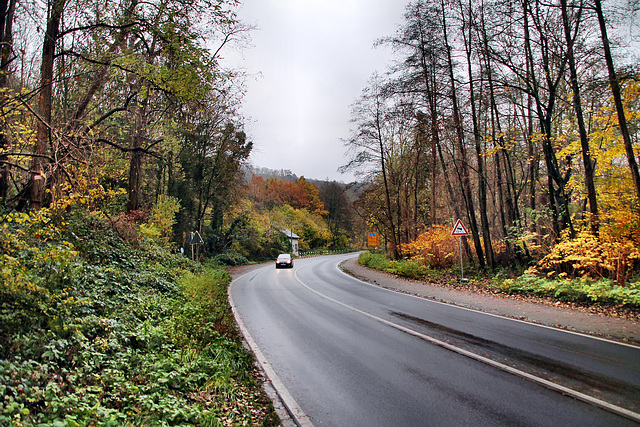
(459, 229)
(195, 239)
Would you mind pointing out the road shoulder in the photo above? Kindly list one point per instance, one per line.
(532, 310)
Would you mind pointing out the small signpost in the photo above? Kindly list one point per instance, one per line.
(194, 239)
(373, 239)
(460, 230)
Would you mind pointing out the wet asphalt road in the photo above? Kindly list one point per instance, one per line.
(351, 354)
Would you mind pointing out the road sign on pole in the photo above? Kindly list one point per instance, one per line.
(373, 239)
(194, 239)
(459, 229)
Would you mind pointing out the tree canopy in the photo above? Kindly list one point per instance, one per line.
(513, 117)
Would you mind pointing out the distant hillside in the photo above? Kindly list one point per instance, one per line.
(352, 189)
(282, 174)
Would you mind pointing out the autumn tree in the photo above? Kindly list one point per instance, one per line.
(370, 145)
(7, 56)
(510, 99)
(272, 192)
(340, 216)
(117, 77)
(617, 97)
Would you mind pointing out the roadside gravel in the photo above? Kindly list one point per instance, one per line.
(606, 323)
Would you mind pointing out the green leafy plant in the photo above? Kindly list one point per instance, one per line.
(603, 291)
(97, 331)
(408, 268)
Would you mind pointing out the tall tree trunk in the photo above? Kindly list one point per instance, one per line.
(430, 95)
(137, 151)
(561, 219)
(394, 238)
(43, 128)
(464, 167)
(477, 138)
(617, 98)
(577, 105)
(7, 8)
(452, 195)
(532, 153)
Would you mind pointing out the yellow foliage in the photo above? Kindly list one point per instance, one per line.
(435, 247)
(592, 257)
(614, 184)
(161, 220)
(85, 192)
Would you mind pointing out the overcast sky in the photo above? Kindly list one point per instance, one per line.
(309, 61)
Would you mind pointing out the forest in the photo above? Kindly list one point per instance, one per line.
(518, 118)
(120, 136)
(131, 99)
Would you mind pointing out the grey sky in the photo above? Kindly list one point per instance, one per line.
(309, 61)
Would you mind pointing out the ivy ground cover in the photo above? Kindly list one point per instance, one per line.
(99, 331)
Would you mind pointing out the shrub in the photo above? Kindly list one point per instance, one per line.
(407, 268)
(162, 218)
(592, 257)
(96, 331)
(435, 247)
(230, 259)
(603, 291)
(376, 261)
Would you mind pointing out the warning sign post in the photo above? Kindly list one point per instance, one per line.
(460, 230)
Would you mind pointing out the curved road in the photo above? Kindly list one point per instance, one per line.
(345, 353)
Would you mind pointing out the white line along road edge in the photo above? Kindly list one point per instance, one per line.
(298, 416)
(546, 383)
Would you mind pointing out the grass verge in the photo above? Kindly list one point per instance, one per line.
(603, 292)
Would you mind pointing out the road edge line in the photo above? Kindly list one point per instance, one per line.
(488, 313)
(297, 414)
(506, 368)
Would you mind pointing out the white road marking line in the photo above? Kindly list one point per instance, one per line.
(546, 383)
(450, 304)
(298, 415)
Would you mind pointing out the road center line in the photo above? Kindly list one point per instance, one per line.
(548, 384)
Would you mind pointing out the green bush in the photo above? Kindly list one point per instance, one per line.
(95, 331)
(230, 259)
(408, 268)
(376, 261)
(603, 291)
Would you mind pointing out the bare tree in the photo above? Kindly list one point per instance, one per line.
(617, 98)
(570, 36)
(369, 146)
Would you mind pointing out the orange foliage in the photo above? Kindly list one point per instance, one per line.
(273, 192)
(435, 247)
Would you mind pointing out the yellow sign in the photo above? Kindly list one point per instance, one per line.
(373, 239)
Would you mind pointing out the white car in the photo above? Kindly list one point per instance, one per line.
(284, 261)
